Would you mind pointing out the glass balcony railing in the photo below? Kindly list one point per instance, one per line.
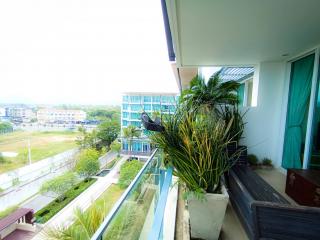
(139, 212)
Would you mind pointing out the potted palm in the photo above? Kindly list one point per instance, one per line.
(196, 141)
(195, 145)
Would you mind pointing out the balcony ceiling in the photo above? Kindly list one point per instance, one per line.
(242, 32)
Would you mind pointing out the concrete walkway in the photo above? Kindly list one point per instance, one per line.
(83, 201)
(39, 201)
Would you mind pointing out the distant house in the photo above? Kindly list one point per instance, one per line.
(2, 112)
(19, 113)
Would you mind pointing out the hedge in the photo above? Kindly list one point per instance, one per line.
(46, 213)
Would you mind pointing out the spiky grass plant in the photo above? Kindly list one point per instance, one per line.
(196, 147)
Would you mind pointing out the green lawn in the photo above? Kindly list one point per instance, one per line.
(43, 145)
(109, 197)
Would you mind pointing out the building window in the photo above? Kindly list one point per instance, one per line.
(124, 123)
(125, 98)
(240, 93)
(156, 99)
(249, 87)
(165, 108)
(147, 98)
(135, 99)
(135, 123)
(134, 116)
(145, 147)
(125, 146)
(147, 107)
(156, 107)
(125, 114)
(125, 106)
(136, 146)
(135, 107)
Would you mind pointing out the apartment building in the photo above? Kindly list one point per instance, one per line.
(52, 115)
(133, 104)
(22, 113)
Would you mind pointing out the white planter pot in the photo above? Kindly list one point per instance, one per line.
(206, 216)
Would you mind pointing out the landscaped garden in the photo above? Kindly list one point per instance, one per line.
(87, 222)
(46, 213)
(42, 145)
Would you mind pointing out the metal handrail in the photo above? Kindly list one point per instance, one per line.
(100, 231)
(159, 214)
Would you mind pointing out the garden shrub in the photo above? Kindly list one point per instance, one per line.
(128, 171)
(252, 159)
(267, 162)
(44, 214)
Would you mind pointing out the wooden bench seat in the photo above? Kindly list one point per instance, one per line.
(265, 214)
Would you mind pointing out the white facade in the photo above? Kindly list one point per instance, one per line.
(51, 115)
(2, 112)
(20, 112)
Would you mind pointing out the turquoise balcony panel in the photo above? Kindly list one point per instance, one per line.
(124, 123)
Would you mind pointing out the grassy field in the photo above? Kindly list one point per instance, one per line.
(109, 197)
(43, 145)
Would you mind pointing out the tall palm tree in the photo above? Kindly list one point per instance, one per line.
(129, 133)
(210, 95)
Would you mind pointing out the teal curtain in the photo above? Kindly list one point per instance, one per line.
(240, 94)
(298, 102)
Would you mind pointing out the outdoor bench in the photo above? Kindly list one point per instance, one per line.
(264, 213)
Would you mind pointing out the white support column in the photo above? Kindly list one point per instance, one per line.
(314, 86)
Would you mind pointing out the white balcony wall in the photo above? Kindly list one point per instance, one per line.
(263, 134)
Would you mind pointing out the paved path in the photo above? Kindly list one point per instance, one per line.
(39, 201)
(83, 201)
(32, 176)
(109, 156)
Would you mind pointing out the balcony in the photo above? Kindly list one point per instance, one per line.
(146, 209)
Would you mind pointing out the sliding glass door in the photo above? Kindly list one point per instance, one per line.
(298, 112)
(314, 159)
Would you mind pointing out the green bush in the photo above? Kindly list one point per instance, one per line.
(128, 171)
(44, 214)
(2, 159)
(252, 159)
(267, 162)
(60, 184)
(88, 163)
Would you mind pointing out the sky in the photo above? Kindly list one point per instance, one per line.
(81, 51)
